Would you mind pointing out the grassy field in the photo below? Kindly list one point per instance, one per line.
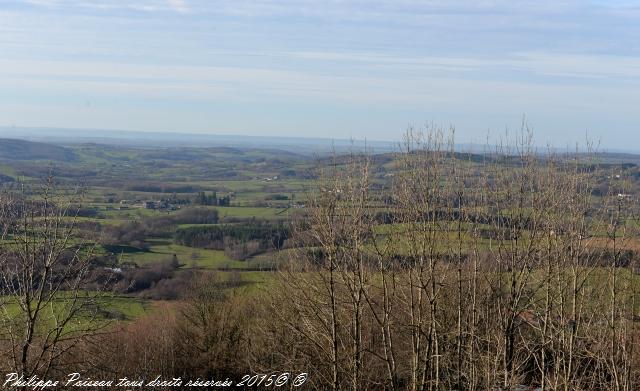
(99, 310)
(163, 251)
(244, 212)
(129, 307)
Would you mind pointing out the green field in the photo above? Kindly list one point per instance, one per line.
(260, 213)
(163, 251)
(98, 310)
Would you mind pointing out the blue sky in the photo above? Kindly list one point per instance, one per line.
(334, 69)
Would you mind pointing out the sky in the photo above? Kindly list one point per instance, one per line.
(336, 69)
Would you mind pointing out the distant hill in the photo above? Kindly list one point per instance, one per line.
(12, 149)
(309, 146)
(298, 145)
(618, 158)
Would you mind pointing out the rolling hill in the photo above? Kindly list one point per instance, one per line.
(12, 149)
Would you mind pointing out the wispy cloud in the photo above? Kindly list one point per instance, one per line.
(376, 63)
(47, 3)
(179, 5)
(408, 81)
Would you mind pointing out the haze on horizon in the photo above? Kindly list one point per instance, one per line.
(334, 69)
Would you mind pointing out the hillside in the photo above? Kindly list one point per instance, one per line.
(12, 149)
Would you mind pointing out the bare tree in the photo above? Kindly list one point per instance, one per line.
(498, 271)
(46, 308)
